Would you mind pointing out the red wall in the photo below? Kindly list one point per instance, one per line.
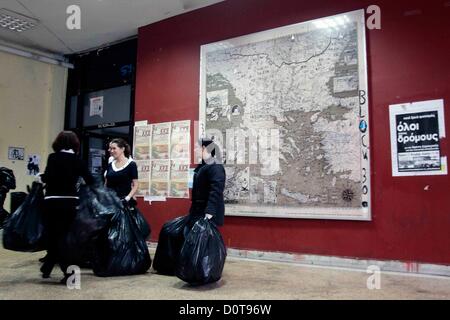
(408, 60)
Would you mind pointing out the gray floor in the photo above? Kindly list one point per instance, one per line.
(242, 279)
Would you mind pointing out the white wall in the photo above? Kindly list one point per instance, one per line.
(32, 103)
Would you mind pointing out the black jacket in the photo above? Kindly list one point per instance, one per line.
(207, 192)
(62, 173)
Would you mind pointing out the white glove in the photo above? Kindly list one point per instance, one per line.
(208, 216)
(128, 198)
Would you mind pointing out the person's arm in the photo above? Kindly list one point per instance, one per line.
(44, 176)
(134, 189)
(134, 182)
(216, 175)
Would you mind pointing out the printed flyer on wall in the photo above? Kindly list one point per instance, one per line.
(416, 130)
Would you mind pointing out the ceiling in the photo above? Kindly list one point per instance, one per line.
(102, 21)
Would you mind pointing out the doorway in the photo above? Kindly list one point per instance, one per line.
(95, 144)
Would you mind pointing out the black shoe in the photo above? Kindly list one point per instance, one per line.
(46, 270)
(64, 280)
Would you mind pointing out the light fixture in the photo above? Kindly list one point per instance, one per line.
(35, 55)
(17, 22)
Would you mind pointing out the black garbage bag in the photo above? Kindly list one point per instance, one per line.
(123, 250)
(141, 223)
(24, 229)
(3, 213)
(203, 254)
(7, 179)
(3, 216)
(170, 241)
(7, 182)
(17, 198)
(96, 208)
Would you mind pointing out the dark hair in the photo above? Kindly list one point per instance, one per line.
(121, 143)
(212, 148)
(66, 140)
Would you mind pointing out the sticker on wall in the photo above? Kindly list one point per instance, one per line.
(96, 107)
(33, 164)
(16, 153)
(416, 131)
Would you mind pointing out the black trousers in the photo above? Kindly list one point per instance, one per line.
(3, 212)
(59, 214)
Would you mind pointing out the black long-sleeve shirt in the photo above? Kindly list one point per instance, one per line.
(62, 173)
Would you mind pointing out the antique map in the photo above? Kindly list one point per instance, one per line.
(289, 108)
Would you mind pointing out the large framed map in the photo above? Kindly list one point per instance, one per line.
(289, 108)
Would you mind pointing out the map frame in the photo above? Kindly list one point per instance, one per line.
(360, 213)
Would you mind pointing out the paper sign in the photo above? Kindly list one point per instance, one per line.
(96, 107)
(416, 130)
(33, 164)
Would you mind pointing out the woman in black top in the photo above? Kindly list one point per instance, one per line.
(61, 176)
(122, 174)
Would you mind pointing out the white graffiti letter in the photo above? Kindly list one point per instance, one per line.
(74, 281)
(74, 19)
(374, 21)
(374, 281)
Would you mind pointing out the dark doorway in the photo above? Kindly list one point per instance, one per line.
(100, 100)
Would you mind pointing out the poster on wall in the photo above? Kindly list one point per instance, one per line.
(33, 164)
(159, 182)
(180, 140)
(144, 173)
(416, 131)
(96, 107)
(160, 143)
(179, 179)
(96, 160)
(142, 142)
(16, 153)
(289, 107)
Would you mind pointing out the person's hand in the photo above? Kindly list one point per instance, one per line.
(125, 201)
(208, 216)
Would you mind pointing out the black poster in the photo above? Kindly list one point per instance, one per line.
(418, 141)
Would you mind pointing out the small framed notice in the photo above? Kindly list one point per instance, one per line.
(16, 153)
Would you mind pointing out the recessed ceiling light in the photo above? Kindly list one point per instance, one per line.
(14, 21)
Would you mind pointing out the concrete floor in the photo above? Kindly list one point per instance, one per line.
(242, 280)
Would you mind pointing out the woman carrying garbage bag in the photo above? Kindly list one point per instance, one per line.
(209, 183)
(122, 250)
(122, 177)
(191, 247)
(61, 176)
(202, 256)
